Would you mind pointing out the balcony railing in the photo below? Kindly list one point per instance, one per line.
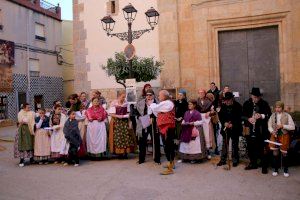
(48, 6)
(45, 5)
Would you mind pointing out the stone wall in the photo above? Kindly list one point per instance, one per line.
(189, 40)
(81, 67)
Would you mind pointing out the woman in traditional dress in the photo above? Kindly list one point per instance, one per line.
(42, 140)
(214, 123)
(59, 146)
(24, 141)
(204, 106)
(96, 137)
(181, 106)
(192, 147)
(121, 136)
(81, 119)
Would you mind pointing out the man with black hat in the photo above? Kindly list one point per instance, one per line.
(256, 113)
(231, 119)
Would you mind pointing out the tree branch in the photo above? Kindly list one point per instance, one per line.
(122, 83)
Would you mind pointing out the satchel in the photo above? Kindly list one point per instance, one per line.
(246, 130)
(214, 118)
(195, 132)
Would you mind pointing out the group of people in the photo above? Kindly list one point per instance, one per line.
(92, 128)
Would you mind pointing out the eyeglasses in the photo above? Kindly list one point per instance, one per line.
(149, 95)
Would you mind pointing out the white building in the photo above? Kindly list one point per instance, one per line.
(92, 46)
(34, 29)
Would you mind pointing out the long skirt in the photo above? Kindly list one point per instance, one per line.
(42, 145)
(123, 137)
(59, 144)
(195, 149)
(82, 128)
(18, 153)
(208, 132)
(96, 138)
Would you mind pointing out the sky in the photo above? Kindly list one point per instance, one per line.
(66, 8)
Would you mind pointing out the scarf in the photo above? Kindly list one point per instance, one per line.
(72, 133)
(96, 113)
(186, 134)
(29, 116)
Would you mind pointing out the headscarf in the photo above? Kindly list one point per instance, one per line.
(182, 91)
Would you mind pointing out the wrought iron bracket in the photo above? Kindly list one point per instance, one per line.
(124, 36)
(121, 36)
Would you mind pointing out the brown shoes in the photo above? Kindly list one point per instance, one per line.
(169, 169)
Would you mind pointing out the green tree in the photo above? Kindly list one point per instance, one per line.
(143, 69)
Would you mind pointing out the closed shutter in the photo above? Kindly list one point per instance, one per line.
(34, 67)
(40, 31)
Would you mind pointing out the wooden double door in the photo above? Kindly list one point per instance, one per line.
(250, 58)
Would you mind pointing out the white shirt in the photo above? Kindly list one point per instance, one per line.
(290, 126)
(164, 106)
(80, 115)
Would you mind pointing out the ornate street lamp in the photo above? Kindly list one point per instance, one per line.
(152, 17)
(108, 24)
(129, 13)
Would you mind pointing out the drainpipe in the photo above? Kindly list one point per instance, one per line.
(28, 68)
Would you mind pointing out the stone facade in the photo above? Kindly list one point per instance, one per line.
(188, 38)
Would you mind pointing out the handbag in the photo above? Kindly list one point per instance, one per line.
(195, 132)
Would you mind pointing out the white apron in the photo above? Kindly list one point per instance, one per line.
(193, 147)
(206, 124)
(96, 137)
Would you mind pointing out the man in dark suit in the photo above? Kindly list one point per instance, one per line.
(230, 116)
(256, 113)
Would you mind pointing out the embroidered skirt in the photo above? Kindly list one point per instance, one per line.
(124, 139)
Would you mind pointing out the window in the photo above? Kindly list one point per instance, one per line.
(40, 32)
(112, 7)
(3, 107)
(34, 67)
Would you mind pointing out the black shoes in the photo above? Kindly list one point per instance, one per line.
(264, 170)
(221, 163)
(140, 162)
(251, 166)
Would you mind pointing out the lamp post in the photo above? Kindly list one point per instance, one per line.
(129, 12)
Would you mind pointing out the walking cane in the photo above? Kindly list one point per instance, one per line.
(228, 167)
(153, 145)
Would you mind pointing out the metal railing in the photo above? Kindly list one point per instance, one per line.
(48, 6)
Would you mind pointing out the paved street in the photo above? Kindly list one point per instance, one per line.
(124, 179)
